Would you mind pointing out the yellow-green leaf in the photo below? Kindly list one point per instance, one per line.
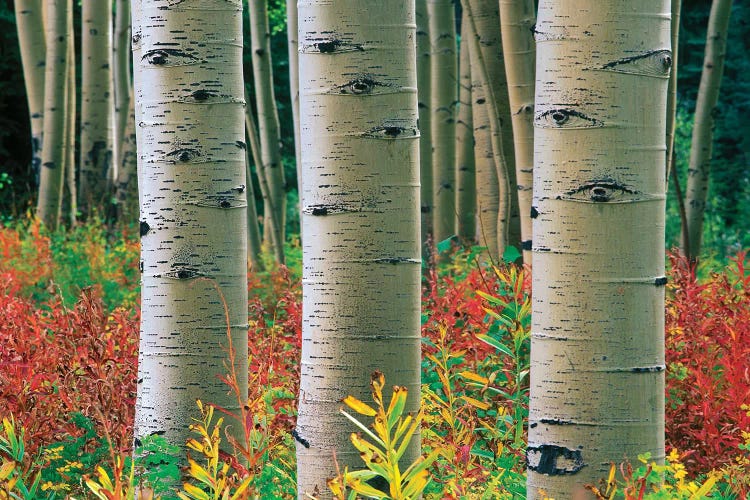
(200, 473)
(359, 406)
(476, 403)
(195, 492)
(242, 487)
(6, 470)
(397, 404)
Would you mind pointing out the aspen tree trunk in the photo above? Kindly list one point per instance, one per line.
(189, 94)
(488, 185)
(70, 124)
(425, 124)
(254, 238)
(361, 257)
(443, 98)
(701, 147)
(30, 27)
(291, 33)
(672, 94)
(96, 106)
(466, 194)
(517, 20)
(268, 122)
(121, 77)
(127, 180)
(597, 352)
(485, 17)
(49, 203)
(136, 49)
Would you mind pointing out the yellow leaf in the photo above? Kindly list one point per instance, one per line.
(360, 407)
(474, 377)
(195, 492)
(242, 487)
(476, 403)
(6, 469)
(200, 473)
(397, 404)
(703, 490)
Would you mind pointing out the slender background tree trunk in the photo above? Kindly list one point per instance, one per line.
(96, 176)
(30, 25)
(699, 168)
(49, 203)
(424, 53)
(466, 194)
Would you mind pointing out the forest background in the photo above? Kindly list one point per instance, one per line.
(727, 219)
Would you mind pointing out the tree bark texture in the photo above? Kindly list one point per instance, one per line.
(293, 49)
(360, 213)
(672, 95)
(126, 186)
(268, 121)
(96, 106)
(485, 17)
(488, 186)
(121, 77)
(466, 194)
(70, 125)
(597, 352)
(424, 53)
(193, 226)
(443, 98)
(699, 168)
(517, 19)
(30, 26)
(49, 203)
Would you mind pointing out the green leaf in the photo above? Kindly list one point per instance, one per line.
(445, 245)
(511, 254)
(496, 344)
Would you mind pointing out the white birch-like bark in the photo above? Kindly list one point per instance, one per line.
(672, 95)
(51, 177)
(268, 124)
(360, 213)
(517, 20)
(443, 98)
(30, 26)
(70, 125)
(485, 16)
(96, 168)
(597, 352)
(701, 148)
(424, 53)
(191, 147)
(121, 81)
(293, 51)
(466, 193)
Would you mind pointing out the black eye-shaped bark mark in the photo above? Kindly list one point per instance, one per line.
(182, 273)
(329, 45)
(656, 63)
(201, 95)
(391, 132)
(362, 85)
(565, 118)
(168, 57)
(526, 109)
(554, 460)
(183, 155)
(144, 228)
(598, 191)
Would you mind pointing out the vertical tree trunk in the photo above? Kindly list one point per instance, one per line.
(70, 123)
(699, 168)
(597, 352)
(53, 153)
(127, 180)
(254, 239)
(424, 51)
(488, 185)
(466, 194)
(443, 89)
(30, 27)
(189, 92)
(121, 77)
(268, 121)
(672, 95)
(517, 20)
(291, 32)
(361, 258)
(485, 16)
(96, 106)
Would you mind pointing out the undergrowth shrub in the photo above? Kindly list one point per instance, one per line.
(708, 355)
